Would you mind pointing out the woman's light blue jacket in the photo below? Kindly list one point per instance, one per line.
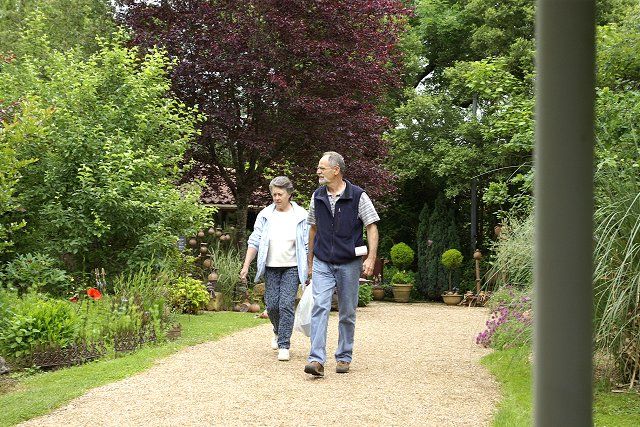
(259, 239)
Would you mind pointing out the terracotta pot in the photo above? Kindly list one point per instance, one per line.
(254, 308)
(201, 234)
(452, 299)
(378, 294)
(203, 248)
(213, 276)
(207, 263)
(211, 231)
(401, 292)
(193, 242)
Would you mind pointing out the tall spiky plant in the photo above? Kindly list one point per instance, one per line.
(617, 269)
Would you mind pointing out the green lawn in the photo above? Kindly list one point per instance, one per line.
(513, 371)
(38, 394)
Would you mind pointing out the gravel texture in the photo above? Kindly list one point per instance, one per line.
(414, 364)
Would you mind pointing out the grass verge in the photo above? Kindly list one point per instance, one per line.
(38, 394)
(512, 369)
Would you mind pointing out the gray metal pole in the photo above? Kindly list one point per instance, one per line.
(564, 212)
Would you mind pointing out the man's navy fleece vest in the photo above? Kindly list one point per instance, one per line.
(337, 236)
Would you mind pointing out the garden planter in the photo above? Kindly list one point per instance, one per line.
(453, 299)
(215, 303)
(378, 294)
(401, 292)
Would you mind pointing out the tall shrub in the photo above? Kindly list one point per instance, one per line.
(108, 150)
(422, 242)
(442, 231)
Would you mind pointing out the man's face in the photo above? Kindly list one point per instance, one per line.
(326, 173)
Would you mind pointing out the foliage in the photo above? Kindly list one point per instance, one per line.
(38, 394)
(472, 112)
(38, 322)
(144, 295)
(617, 269)
(68, 23)
(280, 82)
(189, 295)
(513, 254)
(226, 261)
(108, 142)
(511, 321)
(441, 229)
(402, 256)
(423, 248)
(10, 168)
(384, 247)
(37, 273)
(365, 295)
(451, 259)
(403, 278)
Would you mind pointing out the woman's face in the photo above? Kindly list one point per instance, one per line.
(280, 198)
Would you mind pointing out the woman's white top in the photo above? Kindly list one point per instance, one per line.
(282, 239)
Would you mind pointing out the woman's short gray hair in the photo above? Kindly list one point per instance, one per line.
(281, 182)
(336, 159)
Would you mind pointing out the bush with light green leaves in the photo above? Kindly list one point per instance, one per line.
(107, 141)
(189, 295)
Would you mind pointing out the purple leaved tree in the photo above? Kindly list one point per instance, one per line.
(279, 82)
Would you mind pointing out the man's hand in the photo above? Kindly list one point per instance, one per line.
(368, 264)
(309, 272)
(372, 243)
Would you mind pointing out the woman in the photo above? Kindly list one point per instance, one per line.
(279, 240)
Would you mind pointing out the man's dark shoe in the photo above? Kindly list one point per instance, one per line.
(314, 368)
(342, 367)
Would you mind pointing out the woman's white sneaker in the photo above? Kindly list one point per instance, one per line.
(274, 342)
(283, 354)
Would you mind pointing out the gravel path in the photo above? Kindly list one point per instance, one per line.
(427, 374)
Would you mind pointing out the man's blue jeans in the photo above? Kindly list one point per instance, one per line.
(326, 277)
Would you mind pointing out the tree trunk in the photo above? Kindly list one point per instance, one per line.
(242, 202)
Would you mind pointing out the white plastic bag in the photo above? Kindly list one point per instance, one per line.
(302, 320)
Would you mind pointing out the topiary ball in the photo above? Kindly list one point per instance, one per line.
(402, 256)
(451, 259)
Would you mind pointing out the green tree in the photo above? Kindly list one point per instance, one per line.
(10, 167)
(108, 148)
(67, 23)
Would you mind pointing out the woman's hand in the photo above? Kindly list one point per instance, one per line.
(243, 274)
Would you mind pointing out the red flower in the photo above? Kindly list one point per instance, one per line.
(74, 298)
(94, 294)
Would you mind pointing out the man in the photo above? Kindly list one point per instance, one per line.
(338, 212)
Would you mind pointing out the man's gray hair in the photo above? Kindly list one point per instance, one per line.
(281, 182)
(336, 159)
